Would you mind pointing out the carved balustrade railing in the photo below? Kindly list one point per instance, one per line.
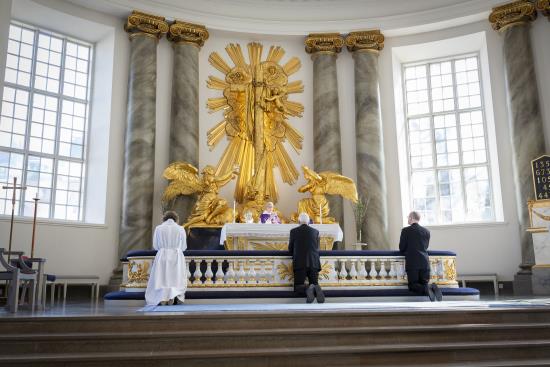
(257, 270)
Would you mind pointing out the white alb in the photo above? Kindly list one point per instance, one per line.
(168, 276)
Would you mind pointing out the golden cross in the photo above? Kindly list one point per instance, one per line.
(14, 188)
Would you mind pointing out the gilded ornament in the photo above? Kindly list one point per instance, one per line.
(365, 41)
(269, 246)
(319, 185)
(209, 209)
(285, 270)
(326, 268)
(138, 273)
(518, 12)
(544, 7)
(187, 33)
(146, 24)
(324, 43)
(450, 270)
(256, 112)
(542, 216)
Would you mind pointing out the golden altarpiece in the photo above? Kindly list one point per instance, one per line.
(256, 112)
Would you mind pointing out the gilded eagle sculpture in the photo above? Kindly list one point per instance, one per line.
(319, 185)
(209, 209)
(255, 119)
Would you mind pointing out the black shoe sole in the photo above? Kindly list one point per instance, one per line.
(437, 292)
(319, 294)
(430, 293)
(310, 295)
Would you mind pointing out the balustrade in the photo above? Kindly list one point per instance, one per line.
(259, 271)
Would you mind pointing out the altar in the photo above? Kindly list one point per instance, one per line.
(258, 236)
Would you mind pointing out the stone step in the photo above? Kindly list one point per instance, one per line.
(403, 354)
(196, 340)
(268, 320)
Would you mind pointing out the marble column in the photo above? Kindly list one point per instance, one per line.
(139, 153)
(369, 142)
(327, 152)
(526, 130)
(187, 39)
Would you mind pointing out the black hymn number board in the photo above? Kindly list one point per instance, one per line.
(541, 177)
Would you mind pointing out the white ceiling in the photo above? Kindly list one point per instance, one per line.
(299, 17)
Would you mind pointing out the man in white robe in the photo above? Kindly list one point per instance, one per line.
(168, 277)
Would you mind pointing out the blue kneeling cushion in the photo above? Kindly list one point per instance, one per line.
(402, 292)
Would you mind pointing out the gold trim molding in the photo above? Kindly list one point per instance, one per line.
(146, 24)
(544, 7)
(183, 32)
(330, 43)
(518, 12)
(365, 41)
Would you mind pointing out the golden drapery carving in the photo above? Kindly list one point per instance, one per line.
(255, 120)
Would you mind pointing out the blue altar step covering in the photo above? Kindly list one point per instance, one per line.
(283, 296)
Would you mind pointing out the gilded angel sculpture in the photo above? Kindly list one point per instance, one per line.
(319, 185)
(209, 209)
(256, 111)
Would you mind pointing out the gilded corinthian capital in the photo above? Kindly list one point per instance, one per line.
(365, 41)
(544, 7)
(183, 32)
(139, 23)
(518, 12)
(324, 43)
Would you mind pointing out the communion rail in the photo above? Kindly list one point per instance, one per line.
(269, 270)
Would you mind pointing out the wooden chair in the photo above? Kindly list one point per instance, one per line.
(15, 274)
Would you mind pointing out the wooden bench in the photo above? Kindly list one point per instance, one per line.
(479, 278)
(66, 280)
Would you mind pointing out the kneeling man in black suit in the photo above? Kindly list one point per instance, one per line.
(304, 247)
(414, 244)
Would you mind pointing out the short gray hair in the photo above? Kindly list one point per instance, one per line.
(414, 215)
(170, 215)
(303, 218)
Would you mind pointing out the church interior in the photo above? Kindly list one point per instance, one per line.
(240, 122)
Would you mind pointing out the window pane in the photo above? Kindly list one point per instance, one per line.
(69, 187)
(478, 194)
(423, 194)
(12, 118)
(450, 196)
(11, 165)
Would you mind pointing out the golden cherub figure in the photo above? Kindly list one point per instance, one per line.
(209, 209)
(319, 185)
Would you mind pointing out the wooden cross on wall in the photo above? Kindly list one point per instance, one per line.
(14, 188)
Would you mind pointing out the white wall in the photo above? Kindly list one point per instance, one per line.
(82, 248)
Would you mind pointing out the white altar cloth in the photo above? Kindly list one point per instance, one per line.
(276, 230)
